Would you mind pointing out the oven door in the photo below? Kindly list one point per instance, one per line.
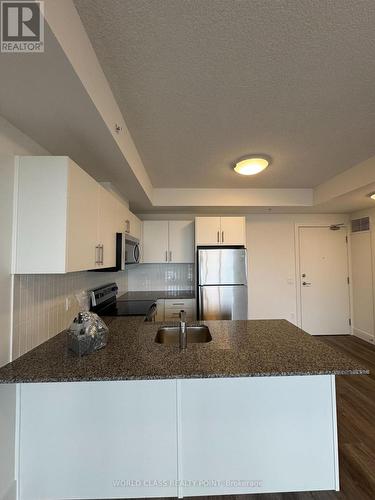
(132, 252)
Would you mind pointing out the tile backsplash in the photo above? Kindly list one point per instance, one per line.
(161, 277)
(39, 310)
(40, 304)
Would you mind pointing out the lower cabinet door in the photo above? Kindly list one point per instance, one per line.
(102, 440)
(257, 435)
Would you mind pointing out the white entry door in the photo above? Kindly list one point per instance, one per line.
(324, 288)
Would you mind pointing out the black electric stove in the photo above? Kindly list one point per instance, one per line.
(104, 302)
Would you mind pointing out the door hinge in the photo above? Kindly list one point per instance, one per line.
(350, 321)
(348, 280)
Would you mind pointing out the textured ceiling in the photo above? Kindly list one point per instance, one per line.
(203, 82)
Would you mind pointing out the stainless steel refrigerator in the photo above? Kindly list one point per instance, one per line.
(222, 283)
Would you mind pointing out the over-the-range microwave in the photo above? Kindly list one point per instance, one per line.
(130, 248)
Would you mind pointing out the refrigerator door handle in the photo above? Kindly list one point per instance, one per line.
(200, 303)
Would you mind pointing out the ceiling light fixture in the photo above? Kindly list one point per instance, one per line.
(372, 196)
(251, 165)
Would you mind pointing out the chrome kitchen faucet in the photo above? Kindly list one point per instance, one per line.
(183, 333)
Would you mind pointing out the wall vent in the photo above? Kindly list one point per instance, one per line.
(360, 224)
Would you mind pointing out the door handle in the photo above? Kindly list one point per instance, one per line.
(305, 283)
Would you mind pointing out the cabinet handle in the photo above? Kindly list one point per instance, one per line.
(102, 259)
(218, 236)
(97, 256)
(127, 230)
(170, 255)
(222, 236)
(166, 256)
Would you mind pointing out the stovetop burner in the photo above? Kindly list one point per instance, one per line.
(104, 303)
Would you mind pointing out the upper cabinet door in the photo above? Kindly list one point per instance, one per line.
(78, 216)
(82, 220)
(107, 228)
(135, 226)
(155, 241)
(181, 241)
(233, 231)
(207, 231)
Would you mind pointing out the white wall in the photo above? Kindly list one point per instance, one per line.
(363, 282)
(12, 142)
(272, 262)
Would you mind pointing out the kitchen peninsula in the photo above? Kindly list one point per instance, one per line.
(252, 411)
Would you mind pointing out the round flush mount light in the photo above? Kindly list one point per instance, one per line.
(372, 196)
(251, 165)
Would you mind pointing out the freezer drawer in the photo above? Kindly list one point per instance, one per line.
(225, 266)
(223, 302)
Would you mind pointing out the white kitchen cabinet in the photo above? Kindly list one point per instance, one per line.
(169, 438)
(181, 241)
(173, 307)
(107, 228)
(56, 217)
(169, 309)
(258, 435)
(168, 241)
(98, 440)
(216, 231)
(135, 226)
(233, 230)
(129, 223)
(155, 241)
(82, 223)
(160, 310)
(65, 220)
(207, 231)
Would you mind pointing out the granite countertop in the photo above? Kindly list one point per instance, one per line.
(254, 348)
(158, 294)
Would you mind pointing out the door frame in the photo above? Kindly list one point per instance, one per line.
(297, 248)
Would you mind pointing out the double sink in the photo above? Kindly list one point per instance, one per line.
(170, 335)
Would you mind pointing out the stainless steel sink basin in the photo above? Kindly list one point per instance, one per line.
(169, 335)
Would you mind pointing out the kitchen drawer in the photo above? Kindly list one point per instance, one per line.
(174, 315)
(173, 304)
